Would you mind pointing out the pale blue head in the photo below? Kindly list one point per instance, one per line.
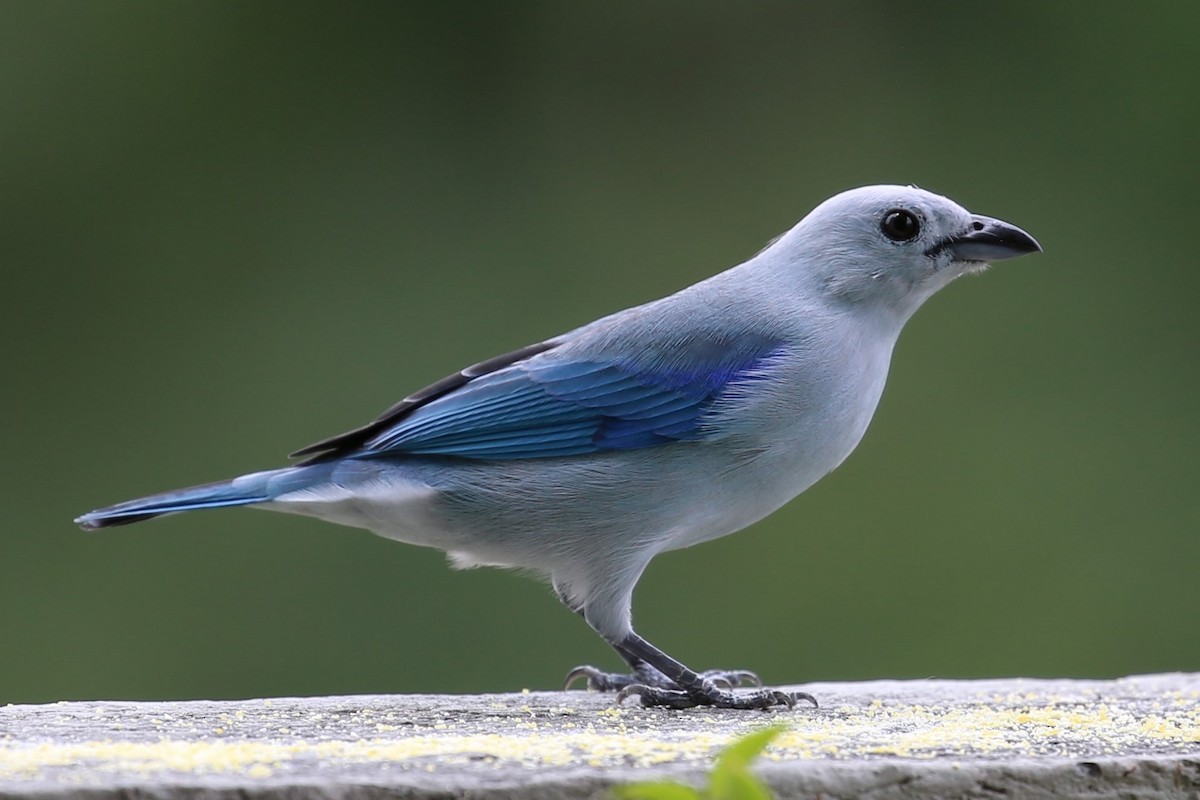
(894, 246)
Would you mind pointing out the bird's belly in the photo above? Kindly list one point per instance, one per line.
(771, 471)
(749, 493)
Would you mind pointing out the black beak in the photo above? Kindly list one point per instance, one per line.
(988, 240)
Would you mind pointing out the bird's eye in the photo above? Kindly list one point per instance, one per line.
(900, 226)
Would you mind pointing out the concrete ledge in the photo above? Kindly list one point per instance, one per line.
(1135, 737)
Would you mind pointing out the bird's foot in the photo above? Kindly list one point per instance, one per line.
(706, 692)
(646, 676)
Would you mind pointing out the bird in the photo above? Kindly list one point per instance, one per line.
(582, 457)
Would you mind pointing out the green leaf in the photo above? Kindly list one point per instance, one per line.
(731, 778)
(739, 754)
(656, 790)
(736, 786)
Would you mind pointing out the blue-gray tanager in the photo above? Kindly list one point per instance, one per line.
(671, 423)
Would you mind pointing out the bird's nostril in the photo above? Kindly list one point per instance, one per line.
(977, 225)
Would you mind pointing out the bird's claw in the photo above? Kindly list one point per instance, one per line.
(711, 688)
(806, 697)
(708, 693)
(645, 675)
(733, 678)
(652, 696)
(597, 681)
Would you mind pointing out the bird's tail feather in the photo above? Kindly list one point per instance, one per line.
(258, 487)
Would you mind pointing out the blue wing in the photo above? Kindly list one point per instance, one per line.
(518, 406)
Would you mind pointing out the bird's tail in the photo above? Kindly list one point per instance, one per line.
(258, 487)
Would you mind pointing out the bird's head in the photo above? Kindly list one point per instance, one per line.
(894, 246)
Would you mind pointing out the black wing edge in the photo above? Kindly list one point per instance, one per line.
(346, 443)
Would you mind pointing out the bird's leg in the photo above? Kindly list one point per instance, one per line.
(641, 672)
(691, 688)
(600, 681)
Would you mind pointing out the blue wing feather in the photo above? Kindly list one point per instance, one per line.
(551, 407)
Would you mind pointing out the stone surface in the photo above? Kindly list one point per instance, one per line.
(1135, 737)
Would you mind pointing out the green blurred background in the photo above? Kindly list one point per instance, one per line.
(230, 229)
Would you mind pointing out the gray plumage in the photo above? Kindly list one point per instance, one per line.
(655, 428)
